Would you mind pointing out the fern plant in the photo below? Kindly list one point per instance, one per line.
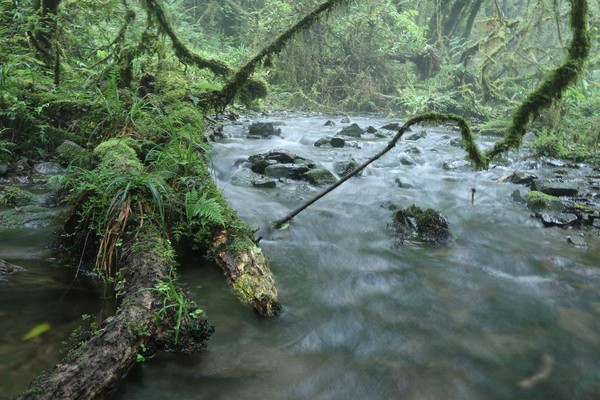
(208, 209)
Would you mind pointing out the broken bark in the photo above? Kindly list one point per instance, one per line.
(95, 369)
(247, 271)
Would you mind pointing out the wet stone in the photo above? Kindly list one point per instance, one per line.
(337, 142)
(353, 131)
(371, 129)
(263, 130)
(345, 120)
(48, 168)
(264, 183)
(456, 142)
(523, 178)
(292, 171)
(394, 126)
(320, 177)
(417, 136)
(329, 123)
(562, 219)
(456, 164)
(557, 188)
(343, 168)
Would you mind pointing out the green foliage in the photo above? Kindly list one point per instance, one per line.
(208, 209)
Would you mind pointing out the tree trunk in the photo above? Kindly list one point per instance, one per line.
(95, 369)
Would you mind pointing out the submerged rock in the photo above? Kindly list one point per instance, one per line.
(345, 120)
(291, 171)
(427, 225)
(264, 183)
(330, 141)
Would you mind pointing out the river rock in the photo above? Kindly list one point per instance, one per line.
(263, 130)
(538, 201)
(456, 142)
(558, 219)
(456, 164)
(291, 171)
(407, 160)
(345, 120)
(353, 131)
(48, 168)
(330, 141)
(70, 153)
(3, 169)
(15, 197)
(394, 126)
(521, 178)
(320, 177)
(260, 162)
(329, 123)
(427, 225)
(371, 129)
(412, 149)
(343, 168)
(264, 183)
(29, 217)
(556, 188)
(337, 142)
(417, 136)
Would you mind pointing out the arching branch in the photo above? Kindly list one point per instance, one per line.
(468, 140)
(555, 83)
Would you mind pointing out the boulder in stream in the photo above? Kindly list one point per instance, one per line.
(456, 164)
(263, 130)
(343, 168)
(556, 188)
(394, 126)
(353, 131)
(320, 177)
(417, 136)
(426, 225)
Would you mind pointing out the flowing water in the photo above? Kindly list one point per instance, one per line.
(367, 318)
(507, 310)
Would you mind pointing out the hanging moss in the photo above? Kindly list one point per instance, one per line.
(155, 9)
(554, 84)
(226, 95)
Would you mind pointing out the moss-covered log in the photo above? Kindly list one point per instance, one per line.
(555, 83)
(138, 329)
(247, 271)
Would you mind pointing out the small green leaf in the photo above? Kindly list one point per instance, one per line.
(37, 331)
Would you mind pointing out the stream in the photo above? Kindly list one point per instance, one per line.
(368, 318)
(507, 310)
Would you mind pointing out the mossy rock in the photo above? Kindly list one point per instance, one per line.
(70, 153)
(118, 152)
(29, 217)
(13, 196)
(423, 224)
(538, 201)
(320, 177)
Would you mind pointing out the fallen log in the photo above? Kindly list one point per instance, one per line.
(151, 316)
(247, 271)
